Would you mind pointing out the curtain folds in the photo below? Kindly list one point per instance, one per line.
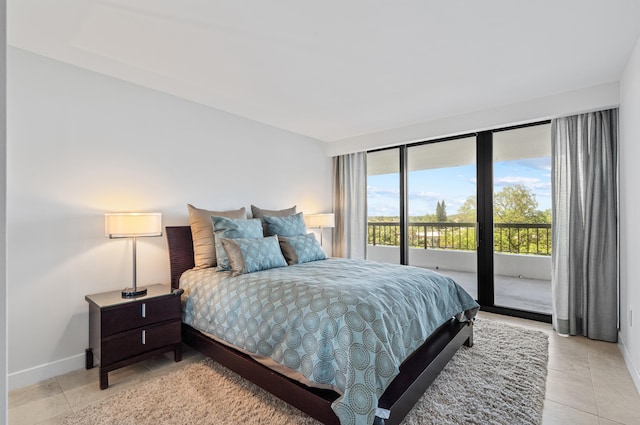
(585, 225)
(350, 205)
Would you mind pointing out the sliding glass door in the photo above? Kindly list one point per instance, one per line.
(441, 198)
(383, 206)
(522, 218)
(476, 208)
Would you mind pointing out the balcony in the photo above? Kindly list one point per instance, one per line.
(522, 259)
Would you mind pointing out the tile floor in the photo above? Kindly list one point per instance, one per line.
(587, 383)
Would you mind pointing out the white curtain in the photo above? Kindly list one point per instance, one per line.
(350, 205)
(585, 225)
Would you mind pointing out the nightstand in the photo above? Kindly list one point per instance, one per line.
(123, 331)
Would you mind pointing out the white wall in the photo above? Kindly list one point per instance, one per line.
(80, 144)
(3, 216)
(629, 217)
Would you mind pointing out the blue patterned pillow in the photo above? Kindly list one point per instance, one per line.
(291, 225)
(247, 255)
(301, 249)
(224, 227)
(260, 213)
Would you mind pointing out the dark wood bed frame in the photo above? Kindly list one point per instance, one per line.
(416, 373)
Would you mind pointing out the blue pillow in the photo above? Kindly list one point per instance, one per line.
(248, 255)
(224, 227)
(290, 225)
(301, 249)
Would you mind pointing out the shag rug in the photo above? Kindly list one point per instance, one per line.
(500, 380)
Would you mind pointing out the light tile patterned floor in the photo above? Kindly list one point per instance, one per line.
(587, 384)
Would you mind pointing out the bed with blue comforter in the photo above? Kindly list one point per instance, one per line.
(339, 324)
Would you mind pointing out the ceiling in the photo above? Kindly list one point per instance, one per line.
(336, 69)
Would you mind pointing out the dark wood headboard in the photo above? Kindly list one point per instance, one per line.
(180, 252)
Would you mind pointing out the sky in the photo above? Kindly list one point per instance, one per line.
(454, 185)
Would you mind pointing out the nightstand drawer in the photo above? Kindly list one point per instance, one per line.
(143, 313)
(138, 341)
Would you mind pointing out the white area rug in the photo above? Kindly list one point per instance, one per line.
(500, 380)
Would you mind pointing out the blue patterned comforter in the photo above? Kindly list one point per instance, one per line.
(340, 324)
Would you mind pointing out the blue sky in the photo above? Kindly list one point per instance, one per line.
(454, 185)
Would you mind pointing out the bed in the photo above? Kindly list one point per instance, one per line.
(322, 397)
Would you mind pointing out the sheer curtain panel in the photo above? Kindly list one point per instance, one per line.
(585, 225)
(350, 205)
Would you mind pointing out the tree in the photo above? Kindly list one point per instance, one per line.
(515, 204)
(441, 212)
(467, 213)
(515, 209)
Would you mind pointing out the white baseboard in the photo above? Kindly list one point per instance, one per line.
(23, 378)
(36, 374)
(634, 371)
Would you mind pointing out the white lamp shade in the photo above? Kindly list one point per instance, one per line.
(128, 225)
(320, 220)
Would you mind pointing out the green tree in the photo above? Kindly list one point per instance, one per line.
(467, 213)
(515, 204)
(515, 208)
(441, 212)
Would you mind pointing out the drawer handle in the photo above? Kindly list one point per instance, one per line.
(144, 310)
(144, 337)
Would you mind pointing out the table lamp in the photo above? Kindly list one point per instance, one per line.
(320, 221)
(133, 225)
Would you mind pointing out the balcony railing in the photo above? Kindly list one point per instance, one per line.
(518, 238)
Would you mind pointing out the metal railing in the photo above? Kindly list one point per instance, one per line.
(517, 238)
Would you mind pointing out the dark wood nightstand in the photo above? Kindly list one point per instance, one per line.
(123, 331)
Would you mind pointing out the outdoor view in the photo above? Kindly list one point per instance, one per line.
(442, 212)
(446, 219)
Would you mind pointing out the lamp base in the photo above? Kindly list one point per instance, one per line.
(133, 292)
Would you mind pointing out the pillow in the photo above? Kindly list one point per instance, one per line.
(291, 225)
(224, 227)
(259, 213)
(204, 251)
(301, 249)
(247, 255)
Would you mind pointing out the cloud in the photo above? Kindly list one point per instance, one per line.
(382, 210)
(380, 192)
(384, 201)
(533, 183)
(425, 196)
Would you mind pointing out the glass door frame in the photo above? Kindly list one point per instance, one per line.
(484, 216)
(486, 287)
